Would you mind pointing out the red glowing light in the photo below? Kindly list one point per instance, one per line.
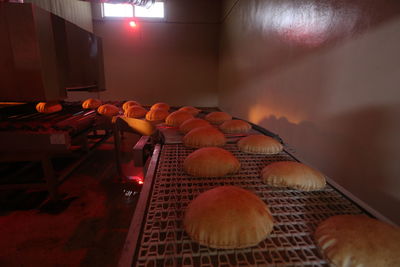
(132, 24)
(136, 179)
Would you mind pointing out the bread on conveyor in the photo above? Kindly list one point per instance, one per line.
(108, 110)
(203, 137)
(48, 107)
(135, 112)
(91, 103)
(358, 240)
(129, 104)
(190, 124)
(211, 162)
(293, 174)
(192, 110)
(176, 118)
(217, 117)
(235, 126)
(157, 115)
(259, 144)
(160, 105)
(228, 217)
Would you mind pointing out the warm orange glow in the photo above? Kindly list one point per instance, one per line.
(258, 113)
(132, 24)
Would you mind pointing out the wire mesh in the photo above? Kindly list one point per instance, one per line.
(296, 213)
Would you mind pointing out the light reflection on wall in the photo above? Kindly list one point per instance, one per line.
(308, 23)
(258, 113)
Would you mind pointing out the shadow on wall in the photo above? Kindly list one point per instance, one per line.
(355, 148)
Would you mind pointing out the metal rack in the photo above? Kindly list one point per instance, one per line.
(157, 237)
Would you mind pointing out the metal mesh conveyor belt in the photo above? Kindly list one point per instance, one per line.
(163, 241)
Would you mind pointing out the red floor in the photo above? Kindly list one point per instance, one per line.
(90, 231)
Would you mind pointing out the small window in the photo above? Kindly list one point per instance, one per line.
(155, 11)
(129, 11)
(118, 10)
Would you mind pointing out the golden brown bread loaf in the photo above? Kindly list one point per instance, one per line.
(192, 110)
(217, 117)
(176, 118)
(91, 103)
(160, 105)
(129, 104)
(191, 124)
(211, 162)
(357, 240)
(235, 126)
(203, 137)
(48, 107)
(108, 110)
(293, 174)
(259, 144)
(157, 115)
(228, 217)
(135, 112)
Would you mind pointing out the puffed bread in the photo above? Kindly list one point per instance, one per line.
(228, 217)
(176, 118)
(203, 137)
(217, 117)
(108, 110)
(160, 105)
(358, 240)
(191, 124)
(192, 110)
(48, 107)
(157, 115)
(211, 162)
(91, 103)
(135, 112)
(235, 126)
(129, 104)
(259, 144)
(293, 174)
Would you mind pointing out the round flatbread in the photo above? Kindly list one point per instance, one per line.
(129, 104)
(135, 112)
(91, 103)
(358, 240)
(176, 118)
(48, 107)
(211, 162)
(217, 117)
(228, 217)
(108, 110)
(157, 115)
(293, 174)
(160, 105)
(259, 144)
(192, 110)
(203, 137)
(191, 124)
(235, 126)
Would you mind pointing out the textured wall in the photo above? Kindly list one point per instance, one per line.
(75, 11)
(324, 75)
(175, 60)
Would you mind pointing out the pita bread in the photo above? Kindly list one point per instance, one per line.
(358, 240)
(228, 217)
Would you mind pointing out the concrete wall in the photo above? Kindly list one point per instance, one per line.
(75, 11)
(174, 61)
(325, 76)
